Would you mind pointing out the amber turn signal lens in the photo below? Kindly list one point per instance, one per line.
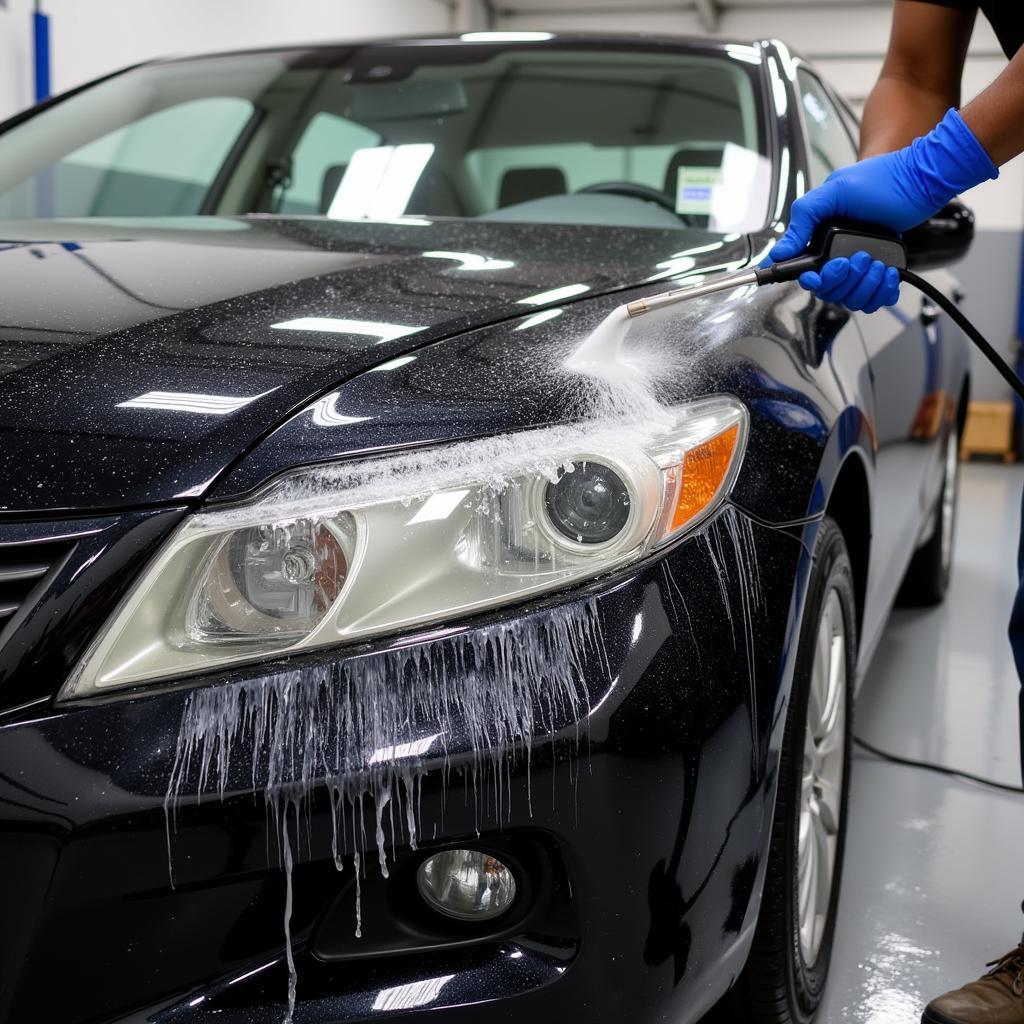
(692, 486)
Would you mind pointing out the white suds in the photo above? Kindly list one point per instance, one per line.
(340, 729)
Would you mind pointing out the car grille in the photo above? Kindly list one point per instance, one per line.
(23, 566)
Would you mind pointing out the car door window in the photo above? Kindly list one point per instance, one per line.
(320, 160)
(829, 145)
(141, 168)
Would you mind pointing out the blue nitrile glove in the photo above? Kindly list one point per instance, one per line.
(896, 190)
(859, 283)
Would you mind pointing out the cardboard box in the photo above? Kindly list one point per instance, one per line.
(989, 430)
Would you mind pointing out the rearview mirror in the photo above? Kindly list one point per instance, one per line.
(942, 239)
(401, 101)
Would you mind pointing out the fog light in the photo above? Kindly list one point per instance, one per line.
(466, 884)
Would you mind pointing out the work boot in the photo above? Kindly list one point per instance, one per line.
(997, 998)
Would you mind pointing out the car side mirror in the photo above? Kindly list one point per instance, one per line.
(942, 239)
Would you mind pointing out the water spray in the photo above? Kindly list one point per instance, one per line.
(832, 240)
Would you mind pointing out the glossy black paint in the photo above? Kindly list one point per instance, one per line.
(143, 308)
(676, 756)
(655, 831)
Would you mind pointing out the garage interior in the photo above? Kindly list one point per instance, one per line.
(930, 888)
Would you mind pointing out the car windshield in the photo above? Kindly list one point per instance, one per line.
(559, 135)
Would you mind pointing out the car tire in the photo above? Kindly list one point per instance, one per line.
(784, 979)
(928, 574)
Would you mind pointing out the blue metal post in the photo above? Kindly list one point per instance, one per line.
(41, 38)
(45, 205)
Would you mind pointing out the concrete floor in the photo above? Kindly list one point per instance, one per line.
(933, 878)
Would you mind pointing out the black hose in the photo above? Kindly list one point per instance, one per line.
(967, 327)
(941, 769)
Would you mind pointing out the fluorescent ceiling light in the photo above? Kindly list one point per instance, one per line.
(325, 413)
(539, 318)
(407, 997)
(814, 108)
(379, 181)
(780, 203)
(469, 260)
(567, 292)
(676, 265)
(392, 364)
(778, 92)
(402, 222)
(747, 54)
(699, 249)
(506, 37)
(189, 401)
(249, 974)
(416, 748)
(338, 325)
(438, 506)
(638, 627)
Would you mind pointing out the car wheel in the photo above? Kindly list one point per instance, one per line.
(927, 578)
(785, 975)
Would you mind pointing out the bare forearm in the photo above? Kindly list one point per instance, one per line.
(897, 112)
(920, 78)
(997, 116)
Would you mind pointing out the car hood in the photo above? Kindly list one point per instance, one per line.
(141, 360)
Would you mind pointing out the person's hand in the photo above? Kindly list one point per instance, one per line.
(859, 283)
(897, 191)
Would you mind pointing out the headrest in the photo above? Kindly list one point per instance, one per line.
(521, 184)
(329, 185)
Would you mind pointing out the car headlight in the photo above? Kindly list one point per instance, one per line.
(335, 553)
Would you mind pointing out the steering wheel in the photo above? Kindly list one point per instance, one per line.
(631, 189)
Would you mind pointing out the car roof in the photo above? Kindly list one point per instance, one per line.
(498, 41)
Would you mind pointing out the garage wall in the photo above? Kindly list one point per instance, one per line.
(847, 43)
(91, 37)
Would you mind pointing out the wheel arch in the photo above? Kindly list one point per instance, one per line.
(849, 504)
(963, 402)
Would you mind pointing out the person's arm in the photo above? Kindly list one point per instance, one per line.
(903, 184)
(996, 117)
(920, 78)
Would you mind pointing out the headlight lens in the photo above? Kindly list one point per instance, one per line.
(278, 580)
(331, 554)
(589, 503)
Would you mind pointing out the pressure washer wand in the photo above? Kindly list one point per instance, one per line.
(832, 240)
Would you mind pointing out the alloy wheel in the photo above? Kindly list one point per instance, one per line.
(821, 796)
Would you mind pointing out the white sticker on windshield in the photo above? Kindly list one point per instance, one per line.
(695, 189)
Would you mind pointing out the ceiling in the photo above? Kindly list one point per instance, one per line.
(674, 6)
(708, 11)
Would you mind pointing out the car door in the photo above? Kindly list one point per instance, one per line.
(904, 353)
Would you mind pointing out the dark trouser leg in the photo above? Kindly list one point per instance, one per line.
(1017, 630)
(1017, 639)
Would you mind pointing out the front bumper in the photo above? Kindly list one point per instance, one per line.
(619, 744)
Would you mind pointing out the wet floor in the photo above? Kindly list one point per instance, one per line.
(934, 875)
